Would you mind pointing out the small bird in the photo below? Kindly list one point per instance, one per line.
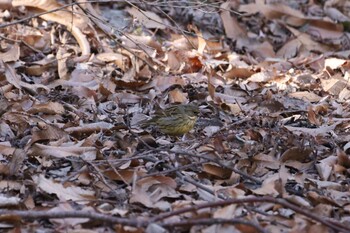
(175, 120)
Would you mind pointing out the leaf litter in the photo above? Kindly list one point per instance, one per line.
(270, 149)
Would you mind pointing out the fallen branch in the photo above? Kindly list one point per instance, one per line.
(31, 215)
(331, 224)
(211, 221)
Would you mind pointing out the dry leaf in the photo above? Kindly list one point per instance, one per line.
(64, 193)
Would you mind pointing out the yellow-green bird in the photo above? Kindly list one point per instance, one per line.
(175, 120)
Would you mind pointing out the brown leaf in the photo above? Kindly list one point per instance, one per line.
(64, 193)
(217, 171)
(126, 175)
(177, 96)
(150, 191)
(47, 108)
(237, 72)
(296, 153)
(47, 132)
(147, 18)
(63, 151)
(232, 28)
(11, 54)
(16, 162)
(322, 130)
(119, 59)
(311, 115)
(343, 158)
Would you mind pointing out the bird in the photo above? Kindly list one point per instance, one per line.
(175, 120)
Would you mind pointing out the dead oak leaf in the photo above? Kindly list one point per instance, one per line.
(63, 193)
(150, 191)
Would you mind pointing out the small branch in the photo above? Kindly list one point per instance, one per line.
(211, 221)
(190, 180)
(21, 42)
(331, 224)
(179, 168)
(243, 174)
(30, 215)
(96, 172)
(143, 223)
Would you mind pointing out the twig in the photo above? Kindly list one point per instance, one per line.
(243, 174)
(190, 180)
(179, 168)
(143, 223)
(303, 211)
(227, 127)
(21, 42)
(101, 177)
(93, 18)
(175, 23)
(211, 221)
(30, 214)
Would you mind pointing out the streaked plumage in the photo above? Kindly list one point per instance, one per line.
(175, 120)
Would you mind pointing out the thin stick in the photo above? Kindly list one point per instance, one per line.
(212, 221)
(30, 215)
(303, 211)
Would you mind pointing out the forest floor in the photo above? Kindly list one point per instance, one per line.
(270, 149)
